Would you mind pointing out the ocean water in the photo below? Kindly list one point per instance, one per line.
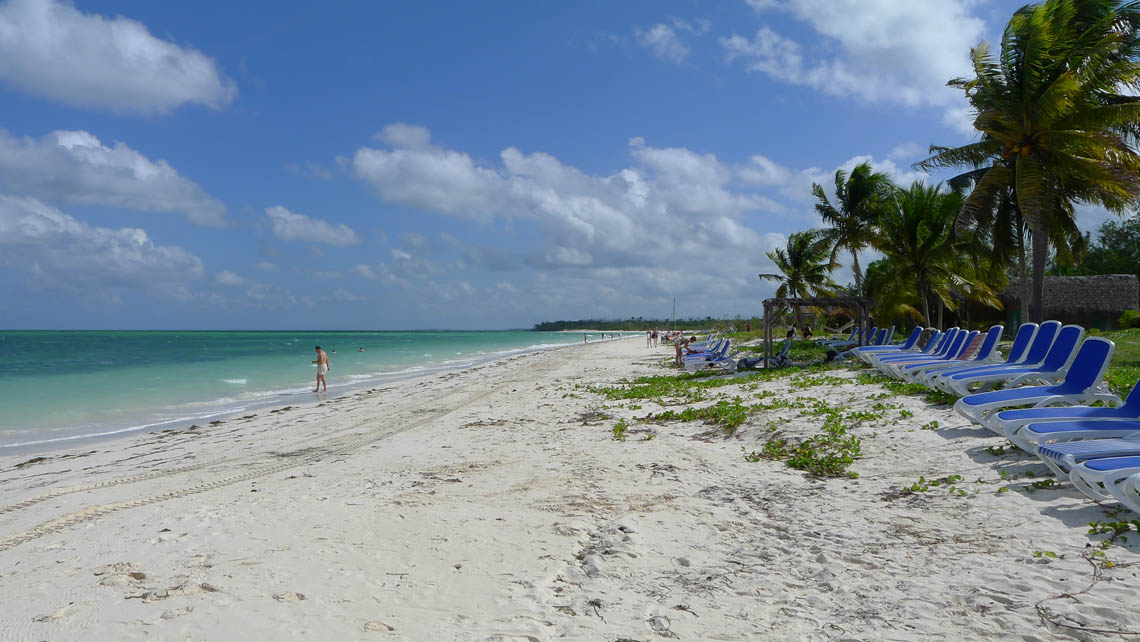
(57, 387)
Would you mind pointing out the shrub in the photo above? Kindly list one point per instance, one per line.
(1130, 319)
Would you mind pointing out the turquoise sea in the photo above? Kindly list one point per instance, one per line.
(58, 387)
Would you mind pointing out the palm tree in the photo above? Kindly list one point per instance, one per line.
(1055, 127)
(926, 255)
(805, 267)
(999, 226)
(859, 198)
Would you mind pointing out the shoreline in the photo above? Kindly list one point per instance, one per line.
(68, 437)
(495, 504)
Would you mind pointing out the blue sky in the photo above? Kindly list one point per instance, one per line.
(444, 165)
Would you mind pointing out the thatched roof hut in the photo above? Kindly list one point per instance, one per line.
(1093, 300)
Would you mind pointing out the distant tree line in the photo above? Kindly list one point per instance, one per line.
(642, 324)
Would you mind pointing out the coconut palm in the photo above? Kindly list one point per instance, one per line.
(805, 267)
(858, 199)
(1055, 127)
(925, 252)
(1001, 227)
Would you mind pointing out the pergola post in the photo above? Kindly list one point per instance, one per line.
(860, 304)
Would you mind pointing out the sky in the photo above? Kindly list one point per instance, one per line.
(266, 165)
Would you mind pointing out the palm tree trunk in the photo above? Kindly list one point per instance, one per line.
(1040, 256)
(1024, 271)
(941, 310)
(925, 306)
(858, 274)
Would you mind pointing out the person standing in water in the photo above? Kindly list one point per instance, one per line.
(322, 368)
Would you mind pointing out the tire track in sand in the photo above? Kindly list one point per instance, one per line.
(90, 513)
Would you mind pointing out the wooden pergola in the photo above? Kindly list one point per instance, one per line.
(860, 304)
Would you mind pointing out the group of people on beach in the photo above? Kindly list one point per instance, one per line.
(586, 336)
(653, 336)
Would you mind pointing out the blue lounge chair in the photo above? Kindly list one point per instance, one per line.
(1021, 342)
(1050, 433)
(960, 349)
(894, 367)
(782, 358)
(697, 361)
(1130, 493)
(1009, 421)
(986, 353)
(1033, 356)
(1081, 385)
(885, 338)
(933, 343)
(865, 352)
(1062, 457)
(1051, 370)
(934, 350)
(839, 343)
(1101, 479)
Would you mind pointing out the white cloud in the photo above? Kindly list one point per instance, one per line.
(341, 294)
(799, 187)
(290, 226)
(674, 221)
(266, 266)
(269, 295)
(57, 252)
(405, 136)
(663, 41)
(225, 277)
(365, 271)
(960, 119)
(76, 168)
(874, 50)
(49, 48)
(415, 241)
(906, 150)
(763, 5)
(762, 171)
(700, 26)
(310, 170)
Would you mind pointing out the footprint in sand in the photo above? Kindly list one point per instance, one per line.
(176, 613)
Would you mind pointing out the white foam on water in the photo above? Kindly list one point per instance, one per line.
(182, 415)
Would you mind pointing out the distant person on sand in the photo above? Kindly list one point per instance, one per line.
(322, 367)
(585, 338)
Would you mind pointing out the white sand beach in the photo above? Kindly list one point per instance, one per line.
(494, 504)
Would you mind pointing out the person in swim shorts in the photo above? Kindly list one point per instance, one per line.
(322, 368)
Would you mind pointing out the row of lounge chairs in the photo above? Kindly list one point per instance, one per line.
(1041, 397)
(877, 337)
(713, 352)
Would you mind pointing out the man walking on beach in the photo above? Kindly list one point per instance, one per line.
(322, 367)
